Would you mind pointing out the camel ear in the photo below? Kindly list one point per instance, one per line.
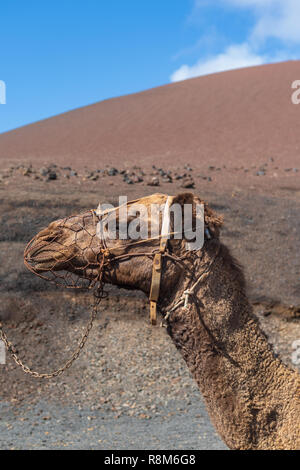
(212, 221)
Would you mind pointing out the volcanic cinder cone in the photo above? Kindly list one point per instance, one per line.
(231, 118)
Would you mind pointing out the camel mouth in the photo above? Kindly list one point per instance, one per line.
(42, 255)
(43, 261)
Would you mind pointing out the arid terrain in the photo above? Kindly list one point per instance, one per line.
(130, 382)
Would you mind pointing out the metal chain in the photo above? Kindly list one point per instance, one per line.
(10, 348)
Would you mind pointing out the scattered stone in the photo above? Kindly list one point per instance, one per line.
(112, 171)
(27, 171)
(188, 184)
(87, 174)
(127, 179)
(180, 176)
(136, 178)
(154, 181)
(44, 171)
(167, 179)
(188, 168)
(52, 176)
(130, 177)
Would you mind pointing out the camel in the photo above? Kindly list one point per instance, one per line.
(252, 397)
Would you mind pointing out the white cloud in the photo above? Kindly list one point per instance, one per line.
(246, 3)
(280, 23)
(275, 19)
(234, 57)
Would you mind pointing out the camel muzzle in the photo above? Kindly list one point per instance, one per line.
(55, 254)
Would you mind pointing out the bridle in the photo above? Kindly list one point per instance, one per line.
(158, 256)
(107, 253)
(106, 256)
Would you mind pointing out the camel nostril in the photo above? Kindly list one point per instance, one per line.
(51, 238)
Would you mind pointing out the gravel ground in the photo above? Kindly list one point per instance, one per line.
(130, 389)
(45, 426)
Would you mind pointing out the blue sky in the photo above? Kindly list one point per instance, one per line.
(57, 55)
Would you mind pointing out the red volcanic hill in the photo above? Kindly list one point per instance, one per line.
(234, 118)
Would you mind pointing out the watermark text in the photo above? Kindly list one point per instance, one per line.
(296, 352)
(2, 353)
(142, 222)
(296, 94)
(2, 92)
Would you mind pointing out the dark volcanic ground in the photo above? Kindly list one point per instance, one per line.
(130, 381)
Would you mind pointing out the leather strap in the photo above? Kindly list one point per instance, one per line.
(157, 262)
(155, 286)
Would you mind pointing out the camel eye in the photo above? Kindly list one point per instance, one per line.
(121, 224)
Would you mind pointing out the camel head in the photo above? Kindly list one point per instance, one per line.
(68, 245)
(77, 245)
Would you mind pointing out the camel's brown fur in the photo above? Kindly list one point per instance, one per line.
(253, 399)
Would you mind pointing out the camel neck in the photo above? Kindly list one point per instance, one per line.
(250, 394)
